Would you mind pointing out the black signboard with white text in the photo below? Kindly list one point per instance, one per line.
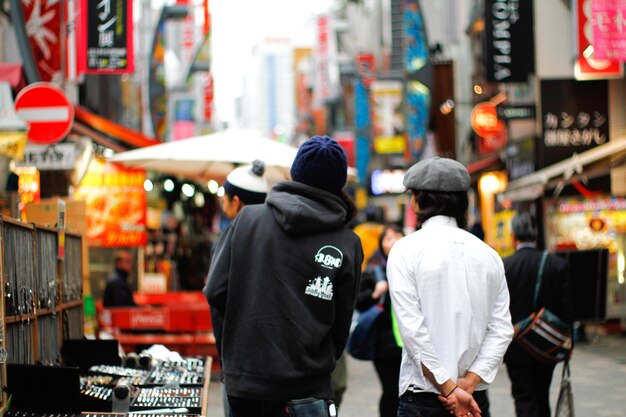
(509, 54)
(574, 118)
(520, 158)
(109, 37)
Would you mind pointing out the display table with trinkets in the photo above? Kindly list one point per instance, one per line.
(163, 387)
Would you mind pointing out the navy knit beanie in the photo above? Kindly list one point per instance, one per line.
(321, 162)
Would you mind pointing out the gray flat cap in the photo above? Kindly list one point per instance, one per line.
(437, 174)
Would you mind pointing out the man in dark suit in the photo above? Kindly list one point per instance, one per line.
(530, 378)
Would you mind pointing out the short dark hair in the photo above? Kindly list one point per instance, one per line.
(389, 226)
(524, 227)
(432, 203)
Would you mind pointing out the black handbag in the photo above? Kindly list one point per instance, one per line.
(565, 402)
(543, 334)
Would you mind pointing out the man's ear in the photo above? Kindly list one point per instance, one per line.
(238, 203)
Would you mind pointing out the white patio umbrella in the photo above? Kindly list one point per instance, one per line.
(212, 156)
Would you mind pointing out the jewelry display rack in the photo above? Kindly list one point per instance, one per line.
(41, 301)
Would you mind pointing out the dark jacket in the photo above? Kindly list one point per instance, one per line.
(521, 273)
(386, 347)
(285, 276)
(117, 292)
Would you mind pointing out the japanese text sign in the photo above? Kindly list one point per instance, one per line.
(609, 29)
(105, 36)
(588, 66)
(575, 118)
(53, 157)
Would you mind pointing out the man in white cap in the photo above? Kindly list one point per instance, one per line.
(244, 185)
(450, 299)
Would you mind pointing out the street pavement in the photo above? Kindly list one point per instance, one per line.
(598, 382)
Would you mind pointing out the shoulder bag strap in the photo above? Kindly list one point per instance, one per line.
(544, 256)
(380, 276)
(378, 272)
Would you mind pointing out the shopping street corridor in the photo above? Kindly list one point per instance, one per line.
(598, 381)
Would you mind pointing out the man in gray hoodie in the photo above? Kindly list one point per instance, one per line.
(285, 275)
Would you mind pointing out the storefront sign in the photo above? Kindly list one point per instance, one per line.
(116, 205)
(12, 144)
(387, 181)
(484, 120)
(418, 98)
(105, 40)
(156, 81)
(588, 223)
(415, 44)
(577, 206)
(588, 66)
(493, 143)
(208, 98)
(183, 126)
(389, 128)
(609, 29)
(362, 125)
(326, 67)
(575, 118)
(502, 238)
(509, 40)
(28, 186)
(347, 141)
(515, 112)
(43, 24)
(366, 68)
(54, 157)
(520, 158)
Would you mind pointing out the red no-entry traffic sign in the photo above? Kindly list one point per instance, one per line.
(47, 111)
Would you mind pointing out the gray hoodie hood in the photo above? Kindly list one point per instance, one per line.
(300, 208)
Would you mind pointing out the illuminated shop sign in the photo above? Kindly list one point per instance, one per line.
(387, 181)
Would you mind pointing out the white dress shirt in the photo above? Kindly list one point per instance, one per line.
(451, 303)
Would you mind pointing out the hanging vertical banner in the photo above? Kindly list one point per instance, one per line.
(326, 67)
(202, 62)
(388, 123)
(116, 204)
(183, 125)
(418, 112)
(347, 142)
(609, 29)
(71, 54)
(588, 66)
(362, 127)
(366, 68)
(43, 25)
(156, 81)
(208, 98)
(105, 37)
(188, 37)
(415, 45)
(509, 51)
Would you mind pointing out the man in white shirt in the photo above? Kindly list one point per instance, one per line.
(450, 299)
